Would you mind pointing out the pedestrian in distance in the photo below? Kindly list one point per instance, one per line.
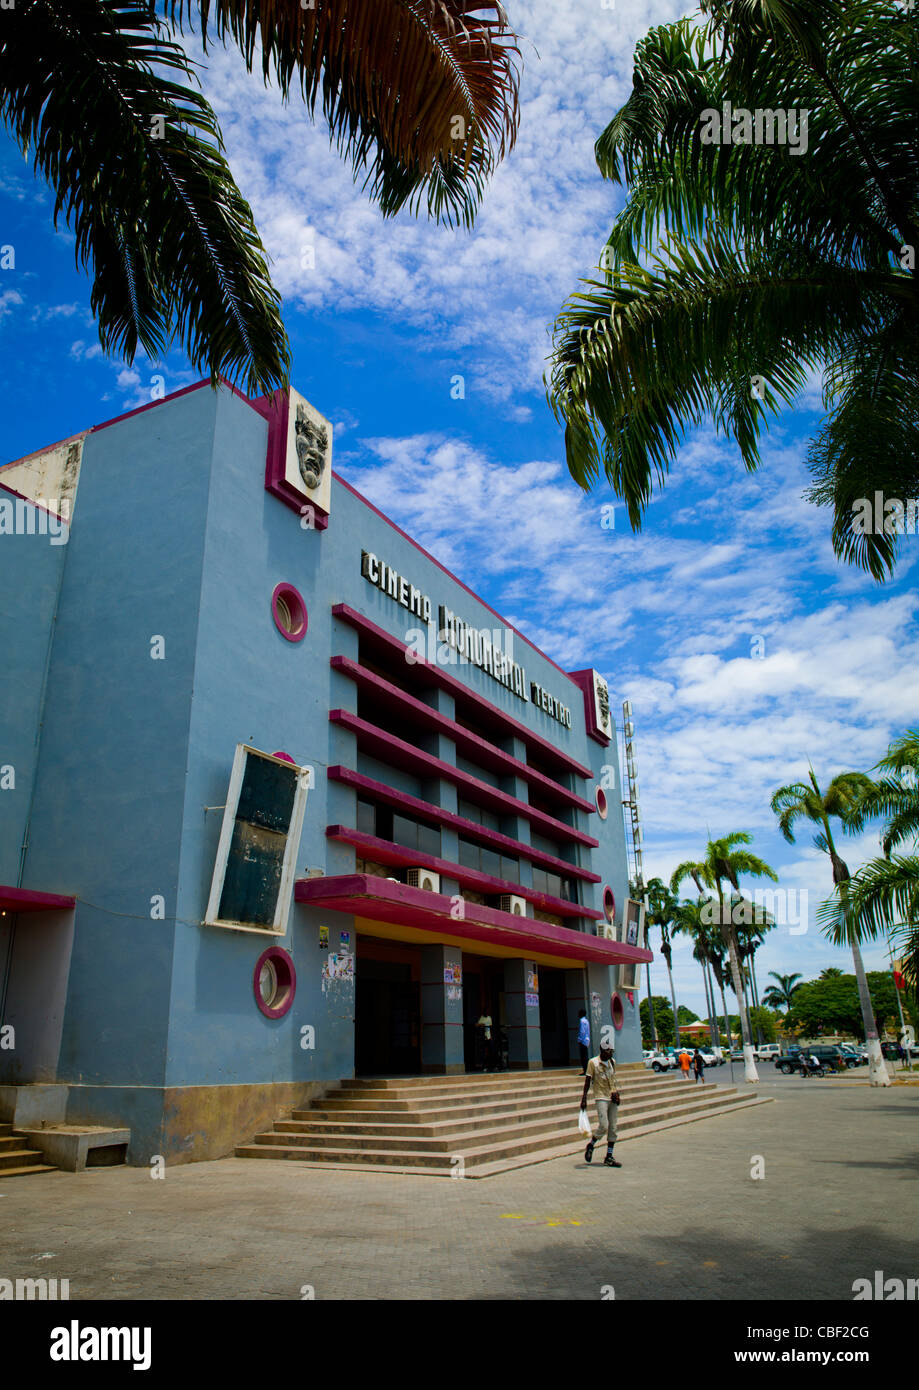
(600, 1080)
(583, 1040)
(684, 1064)
(698, 1066)
(484, 1039)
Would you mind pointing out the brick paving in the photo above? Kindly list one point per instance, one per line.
(682, 1219)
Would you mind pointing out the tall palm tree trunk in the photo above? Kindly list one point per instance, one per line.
(651, 1008)
(755, 990)
(676, 1021)
(877, 1067)
(710, 1003)
(730, 940)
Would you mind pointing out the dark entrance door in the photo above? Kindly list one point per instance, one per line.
(387, 1019)
(553, 1019)
(483, 992)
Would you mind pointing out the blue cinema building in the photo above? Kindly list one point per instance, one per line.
(281, 800)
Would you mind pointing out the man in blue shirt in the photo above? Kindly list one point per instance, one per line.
(583, 1040)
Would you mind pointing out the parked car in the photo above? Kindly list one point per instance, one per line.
(858, 1053)
(829, 1055)
(767, 1052)
(660, 1061)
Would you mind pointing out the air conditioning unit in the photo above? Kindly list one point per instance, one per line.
(515, 906)
(423, 878)
(629, 976)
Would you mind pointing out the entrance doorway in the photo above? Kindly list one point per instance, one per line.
(483, 992)
(387, 1017)
(553, 1017)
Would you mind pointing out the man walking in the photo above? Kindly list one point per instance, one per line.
(698, 1066)
(600, 1080)
(583, 1040)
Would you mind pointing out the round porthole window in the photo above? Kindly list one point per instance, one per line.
(609, 903)
(616, 1011)
(274, 982)
(289, 613)
(602, 804)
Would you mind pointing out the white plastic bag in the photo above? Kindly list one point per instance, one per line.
(583, 1122)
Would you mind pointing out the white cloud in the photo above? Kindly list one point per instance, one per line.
(8, 300)
(484, 299)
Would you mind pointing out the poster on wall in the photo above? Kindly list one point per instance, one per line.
(532, 1000)
(323, 938)
(448, 974)
(338, 967)
(532, 981)
(345, 942)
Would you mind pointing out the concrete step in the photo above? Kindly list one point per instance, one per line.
(474, 1147)
(520, 1098)
(27, 1168)
(569, 1150)
(415, 1083)
(18, 1158)
(491, 1122)
(460, 1138)
(468, 1118)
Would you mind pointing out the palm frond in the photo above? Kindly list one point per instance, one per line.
(135, 160)
(420, 95)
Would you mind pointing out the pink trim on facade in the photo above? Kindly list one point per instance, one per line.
(287, 591)
(286, 964)
(406, 756)
(385, 852)
(472, 745)
(277, 412)
(456, 687)
(30, 900)
(586, 681)
(376, 898)
(470, 828)
(36, 453)
(173, 396)
(450, 575)
(31, 501)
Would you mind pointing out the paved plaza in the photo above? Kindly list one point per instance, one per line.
(682, 1219)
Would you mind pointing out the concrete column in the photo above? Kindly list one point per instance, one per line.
(441, 1014)
(524, 1045)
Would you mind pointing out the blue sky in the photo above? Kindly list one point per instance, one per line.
(384, 318)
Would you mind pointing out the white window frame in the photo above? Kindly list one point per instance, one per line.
(292, 848)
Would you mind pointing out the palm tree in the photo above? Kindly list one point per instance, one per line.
(805, 800)
(724, 862)
(737, 265)
(832, 972)
(692, 921)
(781, 995)
(883, 897)
(660, 911)
(420, 97)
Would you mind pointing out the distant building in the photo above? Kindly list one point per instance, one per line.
(187, 970)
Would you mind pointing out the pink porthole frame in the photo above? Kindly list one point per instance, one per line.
(609, 903)
(602, 804)
(286, 976)
(286, 597)
(616, 1011)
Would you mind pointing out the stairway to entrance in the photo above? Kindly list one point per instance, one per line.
(16, 1158)
(479, 1125)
